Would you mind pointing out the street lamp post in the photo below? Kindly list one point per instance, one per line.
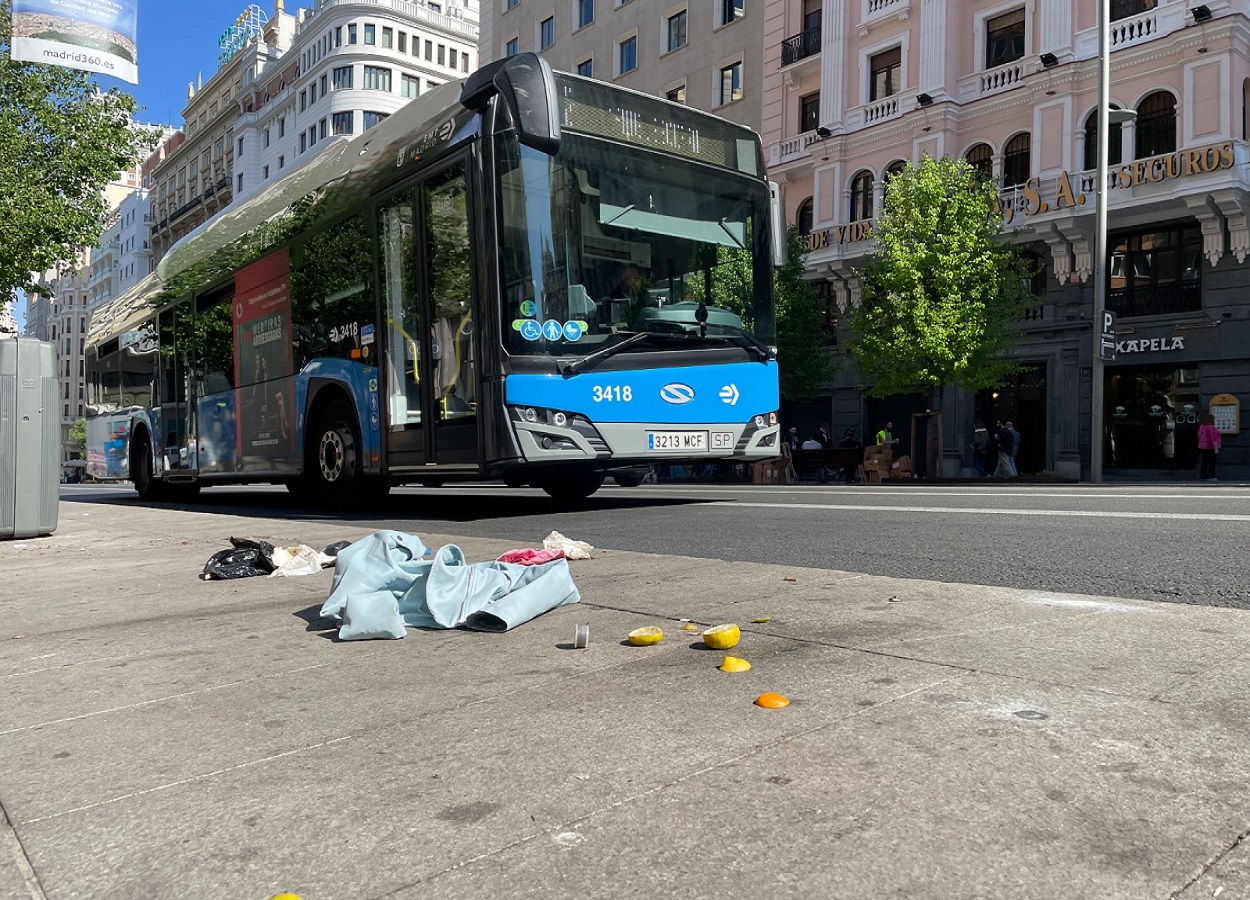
(1105, 117)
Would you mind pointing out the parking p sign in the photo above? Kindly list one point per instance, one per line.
(1106, 342)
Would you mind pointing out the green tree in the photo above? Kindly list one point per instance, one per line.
(804, 362)
(61, 141)
(941, 298)
(78, 434)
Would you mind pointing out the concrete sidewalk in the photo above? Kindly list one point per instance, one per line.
(164, 737)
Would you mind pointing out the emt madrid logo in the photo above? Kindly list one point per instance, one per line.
(677, 393)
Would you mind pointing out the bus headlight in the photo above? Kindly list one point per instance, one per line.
(559, 419)
(530, 415)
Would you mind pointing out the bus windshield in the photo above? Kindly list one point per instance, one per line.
(604, 240)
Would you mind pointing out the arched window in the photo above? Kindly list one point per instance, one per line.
(891, 170)
(1115, 144)
(803, 219)
(861, 196)
(981, 157)
(1016, 162)
(1156, 125)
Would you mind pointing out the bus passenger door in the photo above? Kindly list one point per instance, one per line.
(173, 440)
(448, 281)
(403, 318)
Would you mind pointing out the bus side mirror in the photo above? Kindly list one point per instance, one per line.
(777, 224)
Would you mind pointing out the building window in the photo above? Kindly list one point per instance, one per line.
(240, 189)
(343, 122)
(1004, 39)
(628, 55)
(895, 168)
(886, 70)
(312, 93)
(731, 83)
(351, 34)
(342, 77)
(1016, 160)
(409, 86)
(546, 33)
(264, 172)
(981, 158)
(803, 219)
(861, 196)
(403, 42)
(1156, 125)
(677, 31)
(1157, 272)
(388, 37)
(585, 12)
(281, 163)
(464, 61)
(370, 34)
(451, 51)
(434, 7)
(677, 94)
(511, 4)
(1115, 145)
(373, 118)
(303, 100)
(238, 154)
(338, 36)
(303, 142)
(809, 112)
(264, 138)
(281, 132)
(441, 55)
(321, 129)
(376, 78)
(731, 10)
(322, 82)
(312, 136)
(585, 68)
(1122, 9)
(509, 49)
(429, 51)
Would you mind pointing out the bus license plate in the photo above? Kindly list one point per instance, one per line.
(676, 441)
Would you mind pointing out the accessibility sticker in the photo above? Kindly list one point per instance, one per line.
(552, 330)
(530, 330)
(573, 330)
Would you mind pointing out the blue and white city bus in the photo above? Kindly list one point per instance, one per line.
(526, 275)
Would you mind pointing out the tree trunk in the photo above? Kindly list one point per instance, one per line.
(933, 446)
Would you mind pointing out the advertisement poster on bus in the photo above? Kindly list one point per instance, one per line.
(263, 363)
(92, 35)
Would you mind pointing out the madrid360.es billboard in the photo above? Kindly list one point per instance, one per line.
(94, 35)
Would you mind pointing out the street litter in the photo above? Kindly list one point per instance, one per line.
(690, 626)
(759, 620)
(771, 700)
(893, 600)
(722, 637)
(790, 578)
(248, 558)
(385, 583)
(528, 556)
(734, 664)
(572, 549)
(581, 637)
(645, 636)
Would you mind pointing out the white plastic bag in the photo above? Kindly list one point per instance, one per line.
(298, 560)
(572, 549)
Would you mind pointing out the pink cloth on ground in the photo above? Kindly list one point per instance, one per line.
(528, 556)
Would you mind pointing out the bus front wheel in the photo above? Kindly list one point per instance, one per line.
(573, 487)
(336, 465)
(145, 480)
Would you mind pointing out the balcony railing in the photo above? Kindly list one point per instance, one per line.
(1155, 300)
(801, 46)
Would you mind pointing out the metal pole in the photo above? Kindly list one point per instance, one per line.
(1100, 243)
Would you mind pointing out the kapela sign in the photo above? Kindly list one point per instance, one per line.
(1147, 345)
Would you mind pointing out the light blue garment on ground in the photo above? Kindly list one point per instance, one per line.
(384, 582)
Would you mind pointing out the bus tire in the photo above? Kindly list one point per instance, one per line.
(335, 465)
(571, 488)
(149, 487)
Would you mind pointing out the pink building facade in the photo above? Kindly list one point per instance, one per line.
(855, 89)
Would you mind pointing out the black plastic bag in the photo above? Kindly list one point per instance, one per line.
(333, 549)
(245, 559)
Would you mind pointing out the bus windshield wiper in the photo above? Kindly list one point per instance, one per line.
(573, 366)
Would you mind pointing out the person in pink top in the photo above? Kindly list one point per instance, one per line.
(1208, 448)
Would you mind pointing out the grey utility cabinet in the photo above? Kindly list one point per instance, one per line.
(30, 438)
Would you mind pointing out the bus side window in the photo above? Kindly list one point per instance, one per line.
(331, 294)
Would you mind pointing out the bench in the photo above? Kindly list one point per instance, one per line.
(810, 462)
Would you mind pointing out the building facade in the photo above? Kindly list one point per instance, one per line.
(857, 89)
(709, 55)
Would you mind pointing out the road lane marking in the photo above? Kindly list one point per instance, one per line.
(991, 511)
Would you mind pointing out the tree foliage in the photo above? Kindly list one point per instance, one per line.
(61, 142)
(803, 359)
(78, 434)
(942, 295)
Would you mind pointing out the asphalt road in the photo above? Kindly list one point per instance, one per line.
(1147, 542)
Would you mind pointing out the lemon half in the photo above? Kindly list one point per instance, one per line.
(649, 634)
(734, 664)
(722, 637)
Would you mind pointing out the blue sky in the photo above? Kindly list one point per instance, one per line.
(177, 43)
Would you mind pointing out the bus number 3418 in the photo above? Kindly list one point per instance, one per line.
(612, 394)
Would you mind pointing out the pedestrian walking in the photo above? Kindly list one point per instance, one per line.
(1015, 447)
(1209, 441)
(980, 443)
(1005, 446)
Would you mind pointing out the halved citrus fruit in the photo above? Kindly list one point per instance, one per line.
(771, 700)
(649, 634)
(722, 637)
(734, 664)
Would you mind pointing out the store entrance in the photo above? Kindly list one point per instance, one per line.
(1151, 418)
(1021, 401)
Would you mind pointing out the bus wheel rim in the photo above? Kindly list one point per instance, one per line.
(332, 455)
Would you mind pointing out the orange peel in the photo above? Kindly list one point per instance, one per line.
(771, 700)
